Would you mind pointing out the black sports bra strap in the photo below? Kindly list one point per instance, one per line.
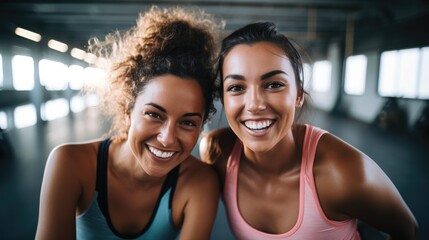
(171, 181)
(103, 153)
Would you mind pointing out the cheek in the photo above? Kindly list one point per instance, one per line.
(231, 104)
(282, 101)
(189, 139)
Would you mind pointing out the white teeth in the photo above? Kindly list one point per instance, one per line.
(258, 125)
(159, 153)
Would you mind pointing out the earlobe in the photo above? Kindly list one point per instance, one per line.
(299, 102)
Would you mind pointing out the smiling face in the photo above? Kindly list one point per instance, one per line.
(165, 123)
(259, 94)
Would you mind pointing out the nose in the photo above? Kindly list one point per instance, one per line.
(167, 134)
(255, 101)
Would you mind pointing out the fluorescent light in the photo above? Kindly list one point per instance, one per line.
(78, 53)
(90, 58)
(28, 34)
(56, 45)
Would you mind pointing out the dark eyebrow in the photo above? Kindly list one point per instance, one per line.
(263, 77)
(272, 73)
(234, 76)
(192, 114)
(163, 110)
(157, 106)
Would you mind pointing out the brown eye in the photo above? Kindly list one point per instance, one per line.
(189, 123)
(274, 85)
(234, 88)
(153, 115)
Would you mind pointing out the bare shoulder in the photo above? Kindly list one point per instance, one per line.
(74, 154)
(68, 179)
(73, 162)
(351, 185)
(341, 167)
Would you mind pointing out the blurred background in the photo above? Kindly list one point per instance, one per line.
(366, 68)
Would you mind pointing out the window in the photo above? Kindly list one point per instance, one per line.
(25, 116)
(399, 73)
(1, 72)
(75, 78)
(22, 72)
(355, 75)
(321, 78)
(54, 109)
(408, 68)
(77, 104)
(423, 89)
(53, 75)
(93, 77)
(3, 120)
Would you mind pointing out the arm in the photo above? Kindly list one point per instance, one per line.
(215, 148)
(378, 202)
(202, 187)
(360, 189)
(59, 196)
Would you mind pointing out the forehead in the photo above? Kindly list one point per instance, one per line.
(173, 93)
(256, 58)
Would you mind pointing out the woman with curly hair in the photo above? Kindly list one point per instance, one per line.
(141, 182)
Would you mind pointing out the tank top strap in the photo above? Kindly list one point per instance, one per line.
(311, 139)
(103, 153)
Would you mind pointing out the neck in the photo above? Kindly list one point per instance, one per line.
(284, 157)
(125, 167)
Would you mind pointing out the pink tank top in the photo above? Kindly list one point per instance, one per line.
(312, 222)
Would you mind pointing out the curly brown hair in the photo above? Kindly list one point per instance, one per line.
(177, 41)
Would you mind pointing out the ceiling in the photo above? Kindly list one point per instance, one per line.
(312, 23)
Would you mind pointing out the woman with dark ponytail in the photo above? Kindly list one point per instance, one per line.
(283, 179)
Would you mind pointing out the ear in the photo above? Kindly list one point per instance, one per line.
(299, 101)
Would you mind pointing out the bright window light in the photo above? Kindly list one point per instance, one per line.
(57, 45)
(399, 73)
(408, 70)
(423, 89)
(321, 78)
(28, 34)
(1, 71)
(3, 120)
(93, 77)
(25, 116)
(54, 109)
(77, 104)
(92, 100)
(22, 72)
(355, 75)
(53, 75)
(387, 80)
(75, 77)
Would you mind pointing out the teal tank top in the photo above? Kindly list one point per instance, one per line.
(95, 222)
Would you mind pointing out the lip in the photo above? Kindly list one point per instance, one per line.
(159, 158)
(261, 132)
